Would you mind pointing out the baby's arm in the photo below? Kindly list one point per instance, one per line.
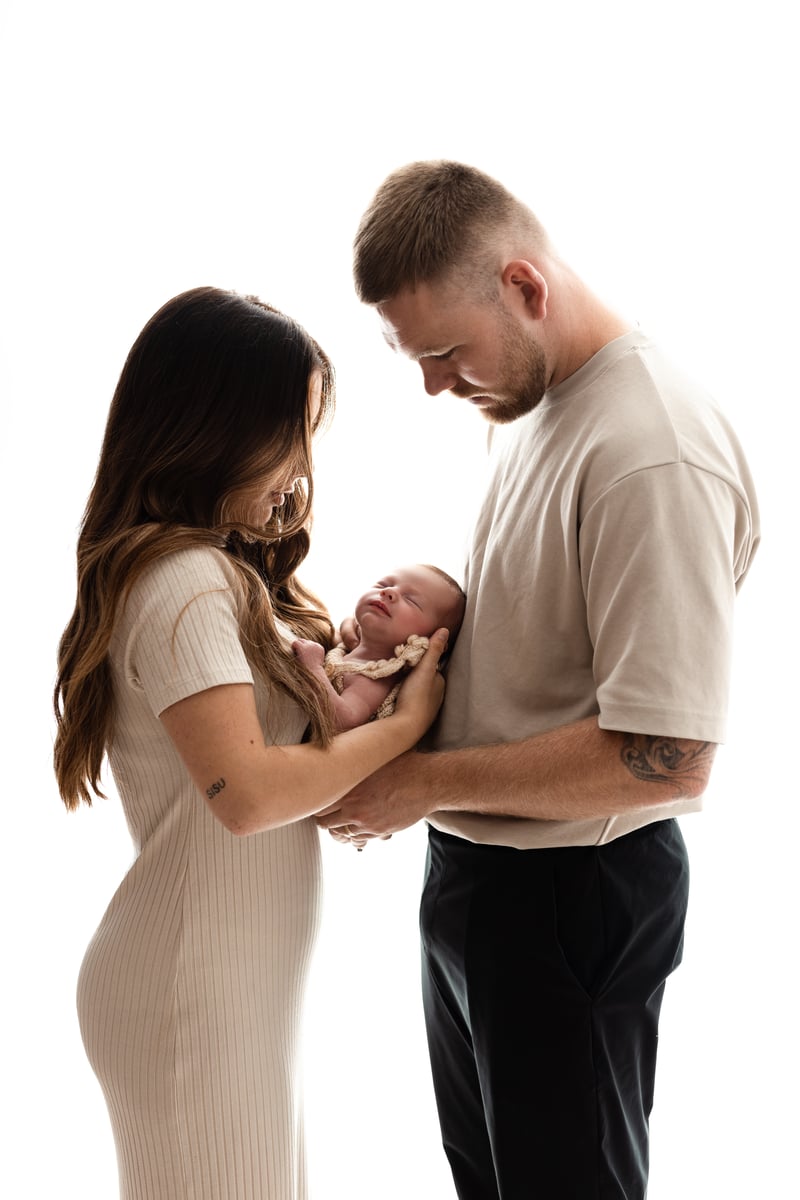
(361, 698)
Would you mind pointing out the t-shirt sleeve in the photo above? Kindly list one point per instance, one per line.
(661, 551)
(182, 630)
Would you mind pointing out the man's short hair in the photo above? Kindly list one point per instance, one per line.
(428, 218)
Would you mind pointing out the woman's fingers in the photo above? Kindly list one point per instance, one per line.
(428, 665)
(424, 687)
(436, 647)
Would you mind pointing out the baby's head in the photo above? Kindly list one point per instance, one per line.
(410, 600)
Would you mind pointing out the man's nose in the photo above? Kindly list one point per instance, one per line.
(437, 376)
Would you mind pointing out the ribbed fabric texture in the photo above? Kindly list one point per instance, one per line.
(190, 993)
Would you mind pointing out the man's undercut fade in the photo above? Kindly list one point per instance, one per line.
(428, 219)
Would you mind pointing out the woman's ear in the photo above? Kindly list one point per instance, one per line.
(527, 286)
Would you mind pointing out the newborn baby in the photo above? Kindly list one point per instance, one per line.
(394, 618)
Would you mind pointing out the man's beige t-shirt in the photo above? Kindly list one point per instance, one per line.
(619, 520)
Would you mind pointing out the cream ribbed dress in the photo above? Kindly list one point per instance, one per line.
(191, 990)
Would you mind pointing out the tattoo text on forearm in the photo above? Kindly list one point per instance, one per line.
(678, 762)
(215, 789)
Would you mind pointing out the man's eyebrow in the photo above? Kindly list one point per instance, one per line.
(431, 352)
(415, 355)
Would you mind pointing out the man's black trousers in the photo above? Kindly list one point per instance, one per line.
(543, 974)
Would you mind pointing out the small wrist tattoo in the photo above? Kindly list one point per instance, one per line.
(215, 789)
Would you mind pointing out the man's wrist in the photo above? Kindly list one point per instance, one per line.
(422, 778)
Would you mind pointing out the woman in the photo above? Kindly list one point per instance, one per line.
(177, 662)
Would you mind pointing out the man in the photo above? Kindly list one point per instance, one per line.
(585, 695)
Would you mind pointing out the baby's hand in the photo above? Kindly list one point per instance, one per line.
(350, 633)
(311, 654)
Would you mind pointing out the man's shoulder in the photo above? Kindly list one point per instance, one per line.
(645, 410)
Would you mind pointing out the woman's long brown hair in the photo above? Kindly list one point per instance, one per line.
(213, 398)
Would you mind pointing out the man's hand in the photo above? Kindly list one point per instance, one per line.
(390, 800)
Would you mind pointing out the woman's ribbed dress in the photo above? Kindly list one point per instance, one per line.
(191, 990)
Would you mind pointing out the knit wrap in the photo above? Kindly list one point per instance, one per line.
(406, 656)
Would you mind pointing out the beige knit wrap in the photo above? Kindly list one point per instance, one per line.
(406, 656)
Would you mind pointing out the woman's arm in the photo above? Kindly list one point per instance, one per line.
(251, 787)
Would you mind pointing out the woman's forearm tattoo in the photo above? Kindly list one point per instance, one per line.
(215, 789)
(679, 762)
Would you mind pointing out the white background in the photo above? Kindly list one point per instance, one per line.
(148, 148)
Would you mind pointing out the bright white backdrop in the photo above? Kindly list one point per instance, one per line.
(149, 148)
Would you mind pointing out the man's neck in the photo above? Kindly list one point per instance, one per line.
(584, 348)
(585, 326)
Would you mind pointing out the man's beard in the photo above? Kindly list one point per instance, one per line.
(524, 380)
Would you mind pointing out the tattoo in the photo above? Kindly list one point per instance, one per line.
(215, 789)
(679, 762)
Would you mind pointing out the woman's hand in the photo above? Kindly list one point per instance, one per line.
(421, 694)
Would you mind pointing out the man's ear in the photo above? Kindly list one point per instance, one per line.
(528, 285)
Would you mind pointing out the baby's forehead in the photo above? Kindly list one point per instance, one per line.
(417, 575)
(437, 588)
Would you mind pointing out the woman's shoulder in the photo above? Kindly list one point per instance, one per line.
(178, 632)
(181, 575)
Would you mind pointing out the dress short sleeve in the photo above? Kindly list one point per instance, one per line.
(179, 631)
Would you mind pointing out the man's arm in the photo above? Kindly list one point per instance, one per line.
(573, 773)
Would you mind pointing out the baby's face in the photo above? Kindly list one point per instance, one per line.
(405, 601)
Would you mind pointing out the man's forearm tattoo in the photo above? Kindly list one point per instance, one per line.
(678, 762)
(215, 789)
